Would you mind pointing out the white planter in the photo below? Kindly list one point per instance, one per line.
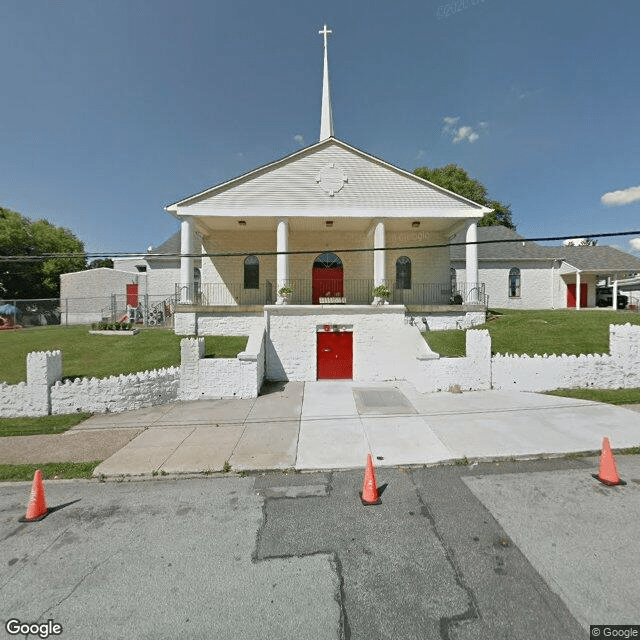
(132, 332)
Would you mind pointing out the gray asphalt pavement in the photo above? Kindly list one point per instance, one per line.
(494, 550)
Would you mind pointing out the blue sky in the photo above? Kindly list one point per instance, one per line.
(111, 110)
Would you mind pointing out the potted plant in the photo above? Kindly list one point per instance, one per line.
(284, 294)
(381, 294)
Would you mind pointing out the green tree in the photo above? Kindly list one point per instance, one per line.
(34, 278)
(456, 179)
(101, 262)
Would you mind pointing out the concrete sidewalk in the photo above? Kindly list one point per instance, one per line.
(334, 424)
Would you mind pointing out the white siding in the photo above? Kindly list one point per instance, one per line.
(293, 185)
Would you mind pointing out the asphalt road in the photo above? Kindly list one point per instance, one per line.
(491, 551)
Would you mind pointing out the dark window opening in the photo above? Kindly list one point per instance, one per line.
(403, 273)
(514, 283)
(251, 273)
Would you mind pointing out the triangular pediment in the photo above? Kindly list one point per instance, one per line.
(328, 177)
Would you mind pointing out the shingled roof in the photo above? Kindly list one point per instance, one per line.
(170, 247)
(599, 259)
(505, 249)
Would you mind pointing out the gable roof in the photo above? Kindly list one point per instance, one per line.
(599, 259)
(171, 246)
(293, 183)
(503, 250)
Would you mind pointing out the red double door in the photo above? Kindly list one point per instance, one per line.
(335, 355)
(571, 295)
(327, 283)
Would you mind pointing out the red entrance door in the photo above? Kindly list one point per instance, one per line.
(335, 355)
(571, 295)
(132, 295)
(327, 283)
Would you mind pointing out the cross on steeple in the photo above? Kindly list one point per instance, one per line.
(325, 32)
(326, 117)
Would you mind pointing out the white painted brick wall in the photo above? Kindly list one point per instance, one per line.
(184, 324)
(535, 284)
(15, 400)
(541, 287)
(384, 349)
(32, 398)
(619, 369)
(472, 372)
(239, 377)
(381, 340)
(445, 320)
(116, 393)
(232, 324)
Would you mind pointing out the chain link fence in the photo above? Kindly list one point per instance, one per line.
(149, 311)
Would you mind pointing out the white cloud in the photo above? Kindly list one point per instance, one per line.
(623, 196)
(449, 121)
(459, 134)
(299, 138)
(573, 242)
(465, 133)
(635, 244)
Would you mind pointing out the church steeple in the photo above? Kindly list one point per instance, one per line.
(326, 118)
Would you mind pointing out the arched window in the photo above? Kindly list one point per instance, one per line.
(327, 260)
(403, 273)
(251, 273)
(514, 283)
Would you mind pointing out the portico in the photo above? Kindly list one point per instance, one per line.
(326, 224)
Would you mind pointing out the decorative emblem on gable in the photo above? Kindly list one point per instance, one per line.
(331, 178)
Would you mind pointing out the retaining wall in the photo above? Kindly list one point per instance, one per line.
(384, 348)
(620, 369)
(239, 377)
(116, 393)
(31, 398)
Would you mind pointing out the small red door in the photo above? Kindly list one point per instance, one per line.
(335, 355)
(571, 295)
(132, 295)
(327, 283)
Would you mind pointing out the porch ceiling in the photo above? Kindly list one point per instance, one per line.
(314, 224)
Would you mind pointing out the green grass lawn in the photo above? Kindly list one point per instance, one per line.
(101, 356)
(610, 396)
(44, 425)
(567, 331)
(50, 470)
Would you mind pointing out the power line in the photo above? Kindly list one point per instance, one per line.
(232, 254)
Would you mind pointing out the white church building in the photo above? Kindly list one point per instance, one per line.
(291, 253)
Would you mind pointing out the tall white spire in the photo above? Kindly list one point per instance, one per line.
(326, 118)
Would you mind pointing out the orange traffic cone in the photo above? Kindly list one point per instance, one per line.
(37, 508)
(608, 471)
(369, 493)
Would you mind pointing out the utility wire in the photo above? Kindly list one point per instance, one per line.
(232, 254)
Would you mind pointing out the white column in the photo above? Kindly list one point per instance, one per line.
(379, 275)
(282, 260)
(577, 289)
(615, 293)
(471, 263)
(186, 262)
